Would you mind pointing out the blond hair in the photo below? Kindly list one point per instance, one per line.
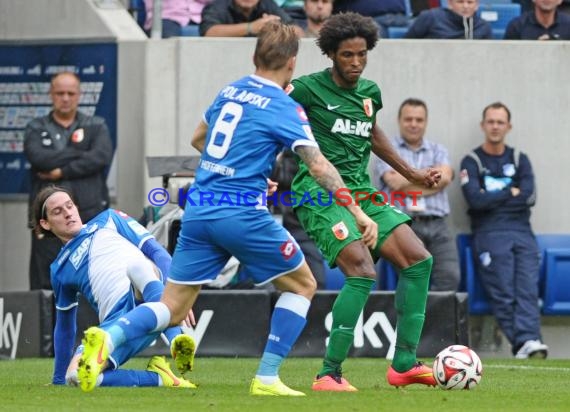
(276, 44)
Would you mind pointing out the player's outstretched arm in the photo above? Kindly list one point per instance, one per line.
(328, 177)
(382, 148)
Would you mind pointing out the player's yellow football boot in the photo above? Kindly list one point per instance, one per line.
(159, 365)
(93, 359)
(277, 388)
(182, 349)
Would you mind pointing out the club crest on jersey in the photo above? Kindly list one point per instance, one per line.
(368, 109)
(340, 231)
(302, 114)
(289, 88)
(463, 177)
(288, 249)
(77, 136)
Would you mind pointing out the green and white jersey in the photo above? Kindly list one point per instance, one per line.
(342, 121)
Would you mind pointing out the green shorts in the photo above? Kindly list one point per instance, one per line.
(333, 227)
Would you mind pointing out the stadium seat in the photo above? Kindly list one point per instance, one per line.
(191, 30)
(478, 301)
(498, 34)
(395, 32)
(334, 278)
(387, 275)
(557, 282)
(547, 241)
(498, 15)
(554, 275)
(138, 11)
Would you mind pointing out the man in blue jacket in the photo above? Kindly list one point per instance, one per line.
(458, 21)
(498, 184)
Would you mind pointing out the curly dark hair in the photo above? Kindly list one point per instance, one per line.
(343, 26)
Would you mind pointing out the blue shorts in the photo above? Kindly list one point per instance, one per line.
(130, 348)
(264, 248)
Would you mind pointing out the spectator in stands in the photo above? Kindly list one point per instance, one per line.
(545, 22)
(427, 207)
(498, 184)
(241, 18)
(293, 8)
(458, 21)
(285, 169)
(176, 14)
(385, 12)
(317, 11)
(72, 150)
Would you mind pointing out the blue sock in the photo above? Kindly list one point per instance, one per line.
(152, 291)
(172, 332)
(142, 320)
(287, 323)
(126, 377)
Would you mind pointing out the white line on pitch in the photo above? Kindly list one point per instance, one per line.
(546, 368)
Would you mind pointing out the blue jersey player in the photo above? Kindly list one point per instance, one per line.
(247, 125)
(115, 263)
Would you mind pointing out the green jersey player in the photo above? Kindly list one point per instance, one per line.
(342, 108)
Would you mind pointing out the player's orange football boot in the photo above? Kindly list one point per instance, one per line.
(332, 383)
(419, 373)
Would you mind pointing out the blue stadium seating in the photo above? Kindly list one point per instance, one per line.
(191, 30)
(554, 275)
(395, 32)
(499, 15)
(387, 275)
(556, 300)
(137, 9)
(334, 278)
(478, 302)
(498, 34)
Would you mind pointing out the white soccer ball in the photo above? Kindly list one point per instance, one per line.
(457, 367)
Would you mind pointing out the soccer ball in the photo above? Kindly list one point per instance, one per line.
(457, 367)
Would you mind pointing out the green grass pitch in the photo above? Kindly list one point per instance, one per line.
(507, 385)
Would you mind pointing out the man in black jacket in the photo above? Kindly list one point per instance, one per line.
(72, 150)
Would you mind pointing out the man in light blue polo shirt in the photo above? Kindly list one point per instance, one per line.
(427, 207)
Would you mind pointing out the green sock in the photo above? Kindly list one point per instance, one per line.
(411, 297)
(346, 310)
